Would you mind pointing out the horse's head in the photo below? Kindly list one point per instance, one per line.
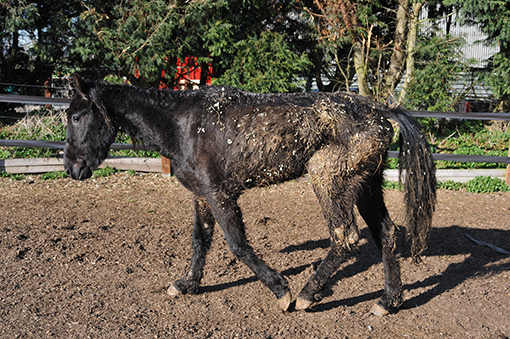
(90, 131)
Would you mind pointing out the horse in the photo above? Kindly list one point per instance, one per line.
(222, 141)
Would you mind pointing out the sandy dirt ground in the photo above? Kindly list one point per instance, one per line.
(93, 259)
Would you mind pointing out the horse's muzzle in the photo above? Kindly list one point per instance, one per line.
(78, 171)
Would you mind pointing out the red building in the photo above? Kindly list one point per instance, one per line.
(189, 74)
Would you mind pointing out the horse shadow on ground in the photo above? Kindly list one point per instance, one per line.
(443, 242)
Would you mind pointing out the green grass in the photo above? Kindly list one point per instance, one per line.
(105, 172)
(450, 185)
(99, 173)
(483, 139)
(53, 175)
(102, 172)
(464, 137)
(471, 138)
(12, 176)
(392, 185)
(486, 185)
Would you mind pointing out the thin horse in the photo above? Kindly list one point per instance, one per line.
(222, 141)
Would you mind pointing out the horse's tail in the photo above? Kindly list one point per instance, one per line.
(418, 169)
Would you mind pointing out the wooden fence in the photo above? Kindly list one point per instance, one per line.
(151, 165)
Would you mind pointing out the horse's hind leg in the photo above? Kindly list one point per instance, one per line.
(336, 196)
(373, 210)
(203, 227)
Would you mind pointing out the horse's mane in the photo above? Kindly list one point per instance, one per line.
(94, 96)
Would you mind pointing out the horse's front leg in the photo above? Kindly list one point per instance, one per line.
(203, 227)
(229, 217)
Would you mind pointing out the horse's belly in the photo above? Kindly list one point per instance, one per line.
(259, 169)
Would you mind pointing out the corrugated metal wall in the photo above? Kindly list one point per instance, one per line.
(475, 47)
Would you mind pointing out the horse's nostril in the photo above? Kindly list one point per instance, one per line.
(68, 171)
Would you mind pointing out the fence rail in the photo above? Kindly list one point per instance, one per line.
(35, 100)
(141, 147)
(461, 115)
(60, 145)
(56, 164)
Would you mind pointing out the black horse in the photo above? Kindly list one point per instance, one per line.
(222, 141)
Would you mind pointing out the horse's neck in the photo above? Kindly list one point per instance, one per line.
(138, 112)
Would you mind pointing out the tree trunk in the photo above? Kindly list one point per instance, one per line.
(507, 179)
(350, 20)
(395, 69)
(361, 69)
(411, 47)
(10, 59)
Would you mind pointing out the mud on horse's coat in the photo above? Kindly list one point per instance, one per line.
(222, 141)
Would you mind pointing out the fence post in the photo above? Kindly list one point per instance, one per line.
(165, 167)
(47, 92)
(507, 177)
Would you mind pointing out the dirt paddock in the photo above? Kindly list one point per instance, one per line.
(93, 259)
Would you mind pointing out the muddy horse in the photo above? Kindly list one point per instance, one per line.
(222, 141)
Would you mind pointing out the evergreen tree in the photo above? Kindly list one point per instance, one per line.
(146, 37)
(261, 45)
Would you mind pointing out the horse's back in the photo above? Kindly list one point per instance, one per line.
(259, 139)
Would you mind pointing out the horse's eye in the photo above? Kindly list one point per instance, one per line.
(75, 118)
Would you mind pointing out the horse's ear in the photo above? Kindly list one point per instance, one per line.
(81, 85)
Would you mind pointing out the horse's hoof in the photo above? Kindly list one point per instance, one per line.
(284, 302)
(173, 291)
(379, 311)
(303, 304)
